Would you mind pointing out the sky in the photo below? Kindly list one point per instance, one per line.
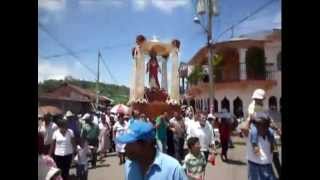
(86, 26)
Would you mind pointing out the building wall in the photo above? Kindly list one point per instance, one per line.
(75, 107)
(244, 94)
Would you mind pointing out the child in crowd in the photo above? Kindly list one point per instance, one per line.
(194, 162)
(82, 160)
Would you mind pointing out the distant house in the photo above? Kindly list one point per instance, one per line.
(74, 98)
(248, 62)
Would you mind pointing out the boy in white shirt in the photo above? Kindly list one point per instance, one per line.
(82, 159)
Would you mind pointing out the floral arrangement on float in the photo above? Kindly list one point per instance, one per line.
(141, 101)
(172, 101)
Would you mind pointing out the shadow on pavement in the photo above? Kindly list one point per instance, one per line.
(235, 162)
(99, 166)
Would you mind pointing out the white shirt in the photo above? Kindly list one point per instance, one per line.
(205, 135)
(265, 151)
(188, 123)
(120, 129)
(95, 120)
(63, 143)
(47, 132)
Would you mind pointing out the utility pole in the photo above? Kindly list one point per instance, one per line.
(210, 56)
(97, 83)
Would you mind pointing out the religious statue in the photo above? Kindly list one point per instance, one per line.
(153, 68)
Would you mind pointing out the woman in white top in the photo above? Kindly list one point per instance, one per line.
(118, 129)
(47, 128)
(63, 146)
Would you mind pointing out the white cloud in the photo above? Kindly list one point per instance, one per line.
(139, 5)
(48, 70)
(52, 5)
(167, 6)
(113, 3)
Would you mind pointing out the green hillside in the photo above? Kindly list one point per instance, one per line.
(120, 94)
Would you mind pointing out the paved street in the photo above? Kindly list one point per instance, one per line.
(236, 169)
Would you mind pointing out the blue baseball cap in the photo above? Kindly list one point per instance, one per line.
(138, 130)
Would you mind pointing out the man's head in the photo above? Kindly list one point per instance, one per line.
(143, 116)
(135, 113)
(121, 117)
(126, 117)
(139, 139)
(194, 145)
(103, 119)
(62, 124)
(263, 125)
(46, 118)
(202, 120)
(211, 117)
(165, 115)
(69, 115)
(87, 118)
(108, 111)
(176, 115)
(258, 96)
(197, 116)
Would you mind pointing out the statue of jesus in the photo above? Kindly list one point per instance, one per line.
(153, 68)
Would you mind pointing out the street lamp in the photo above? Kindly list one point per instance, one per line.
(209, 6)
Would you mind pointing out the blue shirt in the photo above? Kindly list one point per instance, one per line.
(131, 120)
(163, 167)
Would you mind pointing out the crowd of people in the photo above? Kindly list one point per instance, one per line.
(180, 145)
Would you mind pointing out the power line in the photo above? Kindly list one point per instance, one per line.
(70, 52)
(246, 18)
(108, 70)
(87, 50)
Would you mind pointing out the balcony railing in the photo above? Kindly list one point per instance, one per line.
(231, 74)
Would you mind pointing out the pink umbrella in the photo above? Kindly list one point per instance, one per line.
(120, 108)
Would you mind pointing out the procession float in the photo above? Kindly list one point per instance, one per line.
(156, 97)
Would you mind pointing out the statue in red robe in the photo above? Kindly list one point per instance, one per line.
(153, 68)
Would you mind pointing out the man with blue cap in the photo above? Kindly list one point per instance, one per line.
(145, 162)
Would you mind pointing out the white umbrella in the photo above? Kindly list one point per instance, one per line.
(120, 108)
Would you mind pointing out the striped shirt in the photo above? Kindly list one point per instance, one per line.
(195, 165)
